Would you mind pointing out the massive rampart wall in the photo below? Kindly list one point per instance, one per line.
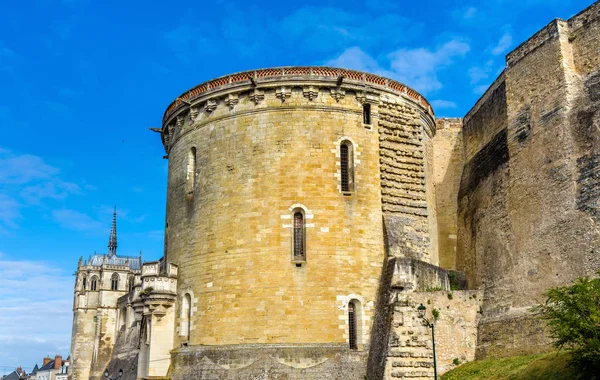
(528, 195)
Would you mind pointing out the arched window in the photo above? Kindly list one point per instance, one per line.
(186, 316)
(114, 282)
(94, 283)
(346, 167)
(84, 282)
(130, 283)
(299, 236)
(191, 172)
(366, 113)
(352, 325)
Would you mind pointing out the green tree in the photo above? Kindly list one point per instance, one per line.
(573, 317)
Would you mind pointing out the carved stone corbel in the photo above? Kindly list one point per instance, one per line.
(283, 93)
(364, 97)
(338, 94)
(194, 111)
(311, 92)
(210, 106)
(231, 101)
(256, 96)
(179, 123)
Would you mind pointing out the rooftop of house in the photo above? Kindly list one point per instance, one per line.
(17, 374)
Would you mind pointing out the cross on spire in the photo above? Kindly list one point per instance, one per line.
(112, 240)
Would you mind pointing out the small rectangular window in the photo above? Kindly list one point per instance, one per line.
(366, 113)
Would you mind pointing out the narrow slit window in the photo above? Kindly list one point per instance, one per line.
(366, 113)
(346, 167)
(191, 172)
(114, 282)
(299, 248)
(84, 282)
(352, 326)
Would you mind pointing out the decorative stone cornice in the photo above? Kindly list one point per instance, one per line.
(330, 75)
(278, 82)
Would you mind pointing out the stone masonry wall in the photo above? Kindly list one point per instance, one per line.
(256, 164)
(403, 183)
(448, 162)
(527, 200)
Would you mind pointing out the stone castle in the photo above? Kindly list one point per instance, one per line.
(310, 210)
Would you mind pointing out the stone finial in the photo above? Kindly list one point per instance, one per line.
(210, 106)
(283, 93)
(311, 92)
(256, 96)
(338, 94)
(231, 101)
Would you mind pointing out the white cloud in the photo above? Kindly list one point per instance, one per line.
(326, 29)
(356, 59)
(503, 45)
(443, 104)
(469, 13)
(419, 67)
(36, 311)
(27, 180)
(56, 189)
(21, 169)
(9, 212)
(76, 220)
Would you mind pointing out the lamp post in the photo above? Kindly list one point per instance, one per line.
(421, 313)
(110, 378)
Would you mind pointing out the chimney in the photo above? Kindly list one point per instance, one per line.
(46, 361)
(57, 361)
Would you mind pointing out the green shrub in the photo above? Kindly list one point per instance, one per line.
(573, 317)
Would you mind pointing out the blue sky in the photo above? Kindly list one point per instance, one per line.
(82, 80)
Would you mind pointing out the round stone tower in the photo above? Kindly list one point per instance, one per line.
(287, 189)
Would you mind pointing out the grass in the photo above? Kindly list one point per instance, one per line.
(547, 366)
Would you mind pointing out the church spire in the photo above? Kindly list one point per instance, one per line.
(112, 240)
